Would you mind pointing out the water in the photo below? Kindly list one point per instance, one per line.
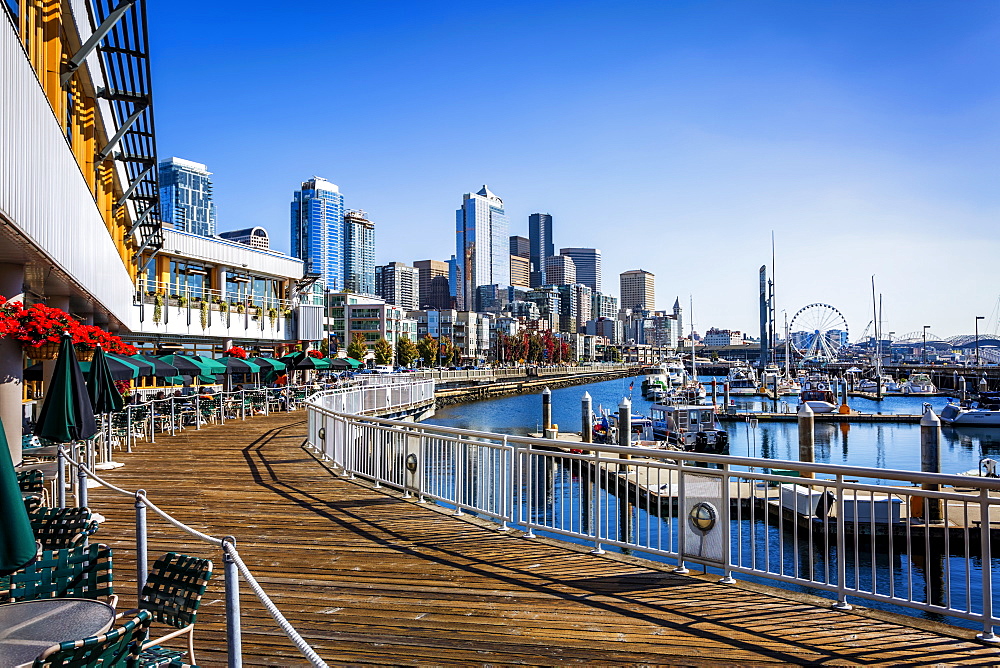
(873, 445)
(895, 446)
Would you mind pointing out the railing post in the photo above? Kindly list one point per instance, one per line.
(81, 483)
(234, 640)
(595, 487)
(984, 541)
(172, 416)
(841, 603)
(141, 547)
(243, 404)
(60, 478)
(681, 507)
(727, 509)
(197, 412)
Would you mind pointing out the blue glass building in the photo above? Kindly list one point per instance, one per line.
(359, 253)
(318, 231)
(482, 246)
(186, 196)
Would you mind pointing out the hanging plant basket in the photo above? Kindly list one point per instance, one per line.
(85, 355)
(46, 351)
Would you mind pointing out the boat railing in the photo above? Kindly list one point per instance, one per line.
(890, 537)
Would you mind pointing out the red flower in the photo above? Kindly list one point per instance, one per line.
(315, 353)
(235, 351)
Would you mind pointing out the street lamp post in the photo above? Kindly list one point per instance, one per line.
(923, 349)
(978, 318)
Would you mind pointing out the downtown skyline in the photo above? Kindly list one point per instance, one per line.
(863, 137)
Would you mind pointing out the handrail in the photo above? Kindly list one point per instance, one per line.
(228, 547)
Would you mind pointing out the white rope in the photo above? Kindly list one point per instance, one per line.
(289, 630)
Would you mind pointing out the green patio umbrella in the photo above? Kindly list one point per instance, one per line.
(194, 365)
(120, 368)
(302, 360)
(67, 414)
(268, 363)
(17, 540)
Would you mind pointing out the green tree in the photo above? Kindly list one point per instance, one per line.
(406, 351)
(427, 348)
(383, 351)
(534, 354)
(358, 347)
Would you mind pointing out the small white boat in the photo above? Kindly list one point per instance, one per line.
(984, 412)
(918, 383)
(742, 380)
(882, 384)
(817, 391)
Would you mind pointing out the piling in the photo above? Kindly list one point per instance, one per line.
(983, 385)
(962, 393)
(546, 410)
(587, 421)
(715, 389)
(930, 460)
(807, 435)
(725, 395)
(624, 429)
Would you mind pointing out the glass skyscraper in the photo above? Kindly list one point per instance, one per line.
(359, 253)
(186, 196)
(318, 231)
(540, 246)
(482, 246)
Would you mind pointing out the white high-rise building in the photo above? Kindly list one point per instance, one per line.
(398, 284)
(482, 246)
(560, 270)
(638, 290)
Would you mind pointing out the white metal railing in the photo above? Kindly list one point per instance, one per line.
(146, 290)
(517, 372)
(902, 538)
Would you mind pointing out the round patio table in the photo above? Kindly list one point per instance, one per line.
(28, 628)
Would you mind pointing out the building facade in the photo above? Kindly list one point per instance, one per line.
(318, 231)
(434, 291)
(603, 306)
(255, 237)
(520, 272)
(186, 196)
(541, 246)
(359, 253)
(521, 247)
(588, 265)
(398, 284)
(482, 246)
(559, 270)
(637, 290)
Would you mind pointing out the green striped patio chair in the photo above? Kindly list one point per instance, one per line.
(31, 481)
(117, 647)
(172, 593)
(56, 528)
(75, 572)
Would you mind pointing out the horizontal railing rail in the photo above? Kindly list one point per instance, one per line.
(904, 538)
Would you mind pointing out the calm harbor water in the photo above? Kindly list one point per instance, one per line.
(895, 446)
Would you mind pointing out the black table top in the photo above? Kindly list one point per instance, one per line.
(28, 628)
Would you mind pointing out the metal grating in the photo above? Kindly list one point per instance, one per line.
(124, 58)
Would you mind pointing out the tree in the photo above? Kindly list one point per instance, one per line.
(383, 351)
(406, 351)
(448, 351)
(358, 347)
(427, 348)
(534, 354)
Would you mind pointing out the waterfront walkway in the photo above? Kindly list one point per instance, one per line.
(370, 578)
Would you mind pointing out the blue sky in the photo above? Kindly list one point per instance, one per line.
(675, 136)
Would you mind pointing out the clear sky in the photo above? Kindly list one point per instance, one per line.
(673, 135)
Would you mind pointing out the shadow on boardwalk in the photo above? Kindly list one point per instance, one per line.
(367, 577)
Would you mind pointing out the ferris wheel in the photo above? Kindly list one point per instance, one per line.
(818, 332)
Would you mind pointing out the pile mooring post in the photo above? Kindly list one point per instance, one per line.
(962, 390)
(587, 419)
(807, 434)
(725, 396)
(546, 410)
(624, 428)
(930, 460)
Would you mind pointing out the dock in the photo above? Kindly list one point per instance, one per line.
(368, 577)
(881, 418)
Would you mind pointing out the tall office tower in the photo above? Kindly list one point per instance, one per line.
(637, 290)
(603, 306)
(434, 286)
(186, 196)
(359, 253)
(398, 284)
(520, 247)
(482, 246)
(588, 265)
(560, 270)
(318, 230)
(520, 272)
(575, 307)
(540, 246)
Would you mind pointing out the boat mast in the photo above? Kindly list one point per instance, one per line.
(788, 375)
(878, 343)
(694, 369)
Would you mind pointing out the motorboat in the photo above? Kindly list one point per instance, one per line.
(881, 385)
(742, 380)
(689, 427)
(817, 391)
(656, 382)
(918, 383)
(983, 412)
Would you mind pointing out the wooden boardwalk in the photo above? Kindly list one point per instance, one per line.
(369, 578)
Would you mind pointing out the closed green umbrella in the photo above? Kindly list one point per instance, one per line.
(17, 540)
(67, 414)
(104, 396)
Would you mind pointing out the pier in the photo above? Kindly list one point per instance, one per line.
(367, 576)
